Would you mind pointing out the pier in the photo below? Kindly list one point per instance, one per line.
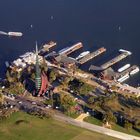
(115, 60)
(69, 50)
(95, 68)
(47, 47)
(92, 55)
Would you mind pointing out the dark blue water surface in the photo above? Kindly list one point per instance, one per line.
(94, 22)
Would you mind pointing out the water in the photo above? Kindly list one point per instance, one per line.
(108, 23)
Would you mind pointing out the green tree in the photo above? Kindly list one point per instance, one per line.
(44, 66)
(109, 117)
(84, 89)
(127, 125)
(91, 99)
(66, 81)
(8, 77)
(67, 103)
(52, 76)
(1, 99)
(137, 123)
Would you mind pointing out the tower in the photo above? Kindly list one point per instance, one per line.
(38, 73)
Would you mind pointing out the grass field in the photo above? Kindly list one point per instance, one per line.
(21, 126)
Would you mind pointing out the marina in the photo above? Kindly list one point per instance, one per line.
(61, 59)
(92, 55)
(70, 62)
(115, 60)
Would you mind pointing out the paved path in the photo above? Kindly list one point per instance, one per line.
(81, 117)
(95, 128)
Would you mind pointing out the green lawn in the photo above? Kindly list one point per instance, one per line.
(115, 126)
(93, 121)
(21, 126)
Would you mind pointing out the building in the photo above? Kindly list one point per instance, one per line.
(41, 80)
(65, 61)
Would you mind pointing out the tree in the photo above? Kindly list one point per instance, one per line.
(66, 81)
(109, 117)
(52, 76)
(127, 125)
(91, 99)
(67, 103)
(137, 123)
(1, 99)
(44, 66)
(33, 75)
(8, 76)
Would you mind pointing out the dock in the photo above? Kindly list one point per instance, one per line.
(69, 50)
(115, 60)
(95, 68)
(92, 55)
(47, 47)
(127, 71)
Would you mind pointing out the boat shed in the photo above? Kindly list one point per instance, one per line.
(108, 74)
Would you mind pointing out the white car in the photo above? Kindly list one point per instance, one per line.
(11, 106)
(57, 107)
(33, 103)
(20, 102)
(49, 106)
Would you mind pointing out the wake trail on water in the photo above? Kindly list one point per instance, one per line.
(3, 33)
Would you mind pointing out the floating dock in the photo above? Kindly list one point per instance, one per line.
(127, 71)
(95, 68)
(115, 60)
(92, 55)
(47, 47)
(69, 50)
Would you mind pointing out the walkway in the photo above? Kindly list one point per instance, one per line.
(81, 117)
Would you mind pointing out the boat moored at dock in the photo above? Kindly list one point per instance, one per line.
(135, 70)
(123, 78)
(125, 51)
(82, 55)
(124, 68)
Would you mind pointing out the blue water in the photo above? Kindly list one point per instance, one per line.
(94, 22)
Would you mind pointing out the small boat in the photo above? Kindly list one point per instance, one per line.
(82, 55)
(123, 78)
(125, 51)
(124, 68)
(15, 33)
(134, 71)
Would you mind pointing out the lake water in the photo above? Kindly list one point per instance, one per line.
(113, 24)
